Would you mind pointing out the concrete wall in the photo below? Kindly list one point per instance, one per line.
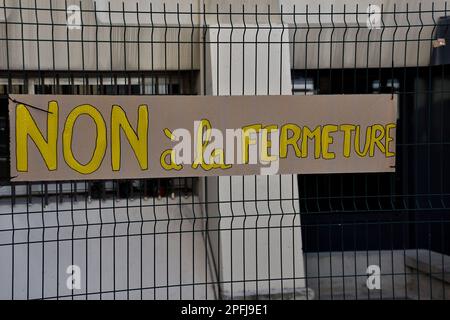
(171, 39)
(155, 245)
(255, 219)
(404, 274)
(343, 275)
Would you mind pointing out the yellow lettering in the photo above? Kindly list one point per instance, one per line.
(285, 140)
(100, 144)
(200, 145)
(137, 139)
(347, 129)
(266, 144)
(247, 140)
(308, 134)
(376, 139)
(389, 139)
(169, 165)
(357, 141)
(27, 127)
(327, 140)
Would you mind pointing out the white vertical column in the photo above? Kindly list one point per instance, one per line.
(254, 221)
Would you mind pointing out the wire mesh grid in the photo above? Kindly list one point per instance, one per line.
(340, 236)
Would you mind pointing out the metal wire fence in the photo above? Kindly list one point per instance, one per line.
(339, 236)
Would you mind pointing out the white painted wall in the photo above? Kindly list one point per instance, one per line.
(255, 219)
(176, 48)
(173, 252)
